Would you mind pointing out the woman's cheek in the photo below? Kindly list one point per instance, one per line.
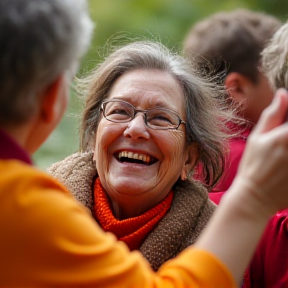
(107, 134)
(174, 147)
(100, 148)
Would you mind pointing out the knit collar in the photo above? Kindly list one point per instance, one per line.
(133, 230)
(178, 229)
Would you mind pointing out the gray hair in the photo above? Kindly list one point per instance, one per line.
(206, 106)
(39, 41)
(275, 59)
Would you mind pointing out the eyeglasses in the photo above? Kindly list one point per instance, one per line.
(119, 111)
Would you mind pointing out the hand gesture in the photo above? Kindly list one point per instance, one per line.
(264, 167)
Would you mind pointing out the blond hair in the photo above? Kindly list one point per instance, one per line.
(275, 59)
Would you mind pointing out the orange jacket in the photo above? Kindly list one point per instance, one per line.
(49, 240)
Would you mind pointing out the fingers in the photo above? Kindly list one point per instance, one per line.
(275, 114)
(265, 159)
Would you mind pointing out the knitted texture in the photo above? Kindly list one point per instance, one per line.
(133, 230)
(179, 228)
(77, 173)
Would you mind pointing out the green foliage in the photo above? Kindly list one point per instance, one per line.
(167, 21)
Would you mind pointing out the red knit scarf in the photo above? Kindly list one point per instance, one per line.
(132, 231)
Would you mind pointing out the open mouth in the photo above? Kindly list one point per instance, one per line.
(136, 158)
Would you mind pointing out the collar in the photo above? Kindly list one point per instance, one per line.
(10, 149)
(133, 230)
(178, 229)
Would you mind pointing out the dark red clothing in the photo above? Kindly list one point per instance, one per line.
(236, 148)
(9, 149)
(269, 266)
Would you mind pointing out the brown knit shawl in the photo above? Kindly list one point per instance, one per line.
(190, 211)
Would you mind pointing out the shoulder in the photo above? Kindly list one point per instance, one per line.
(275, 233)
(193, 193)
(275, 238)
(39, 217)
(277, 227)
(28, 194)
(18, 175)
(75, 162)
(77, 172)
(190, 211)
(269, 264)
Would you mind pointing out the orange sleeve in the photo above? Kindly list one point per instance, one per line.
(49, 240)
(199, 267)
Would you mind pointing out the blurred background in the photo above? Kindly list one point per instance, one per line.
(167, 21)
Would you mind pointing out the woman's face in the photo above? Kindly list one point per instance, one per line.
(142, 183)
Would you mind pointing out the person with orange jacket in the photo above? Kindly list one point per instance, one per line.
(50, 240)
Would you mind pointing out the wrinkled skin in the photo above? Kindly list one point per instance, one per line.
(132, 187)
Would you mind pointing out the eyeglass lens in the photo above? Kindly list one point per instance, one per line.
(120, 111)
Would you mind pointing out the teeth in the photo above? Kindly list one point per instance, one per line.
(142, 157)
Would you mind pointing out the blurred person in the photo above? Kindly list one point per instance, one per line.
(268, 268)
(229, 44)
(47, 238)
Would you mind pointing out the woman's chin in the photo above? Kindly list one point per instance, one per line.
(130, 185)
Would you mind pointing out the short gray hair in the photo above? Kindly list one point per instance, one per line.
(275, 59)
(206, 106)
(39, 41)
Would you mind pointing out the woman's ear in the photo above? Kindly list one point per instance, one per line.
(190, 161)
(236, 84)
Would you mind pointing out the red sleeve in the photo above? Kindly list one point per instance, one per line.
(269, 266)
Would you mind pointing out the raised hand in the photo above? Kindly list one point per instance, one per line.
(264, 166)
(258, 191)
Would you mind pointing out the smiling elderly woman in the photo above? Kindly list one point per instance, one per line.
(148, 120)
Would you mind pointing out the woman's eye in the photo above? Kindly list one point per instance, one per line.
(160, 118)
(119, 112)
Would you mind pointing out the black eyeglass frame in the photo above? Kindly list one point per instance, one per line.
(103, 105)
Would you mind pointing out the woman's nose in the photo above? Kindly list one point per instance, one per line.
(137, 128)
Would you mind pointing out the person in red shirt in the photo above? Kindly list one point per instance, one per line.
(227, 45)
(269, 267)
